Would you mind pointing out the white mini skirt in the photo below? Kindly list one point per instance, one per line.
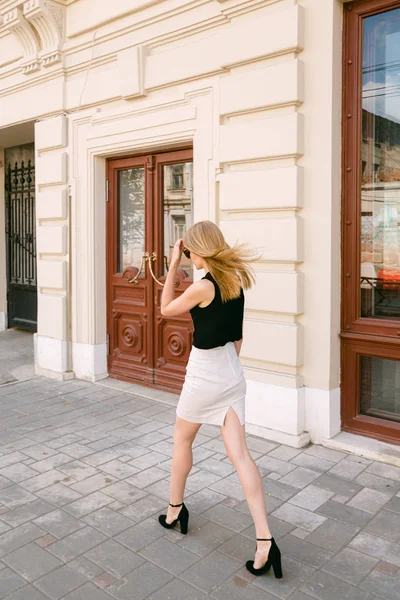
(214, 383)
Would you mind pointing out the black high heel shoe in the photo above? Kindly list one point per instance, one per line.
(183, 519)
(274, 560)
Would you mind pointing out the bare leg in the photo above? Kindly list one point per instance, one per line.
(182, 461)
(233, 434)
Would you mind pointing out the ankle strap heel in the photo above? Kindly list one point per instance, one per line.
(274, 560)
(182, 518)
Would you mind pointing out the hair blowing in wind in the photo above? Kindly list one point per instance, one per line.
(229, 265)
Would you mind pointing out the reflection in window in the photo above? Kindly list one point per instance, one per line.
(179, 226)
(177, 177)
(380, 388)
(380, 186)
(131, 234)
(178, 209)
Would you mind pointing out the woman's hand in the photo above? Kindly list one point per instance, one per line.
(177, 253)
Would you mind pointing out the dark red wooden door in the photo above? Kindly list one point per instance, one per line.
(150, 206)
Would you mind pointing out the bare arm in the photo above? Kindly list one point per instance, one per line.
(195, 294)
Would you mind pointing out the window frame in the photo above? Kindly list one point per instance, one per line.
(360, 336)
(352, 321)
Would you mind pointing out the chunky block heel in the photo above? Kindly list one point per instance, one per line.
(274, 561)
(277, 567)
(182, 519)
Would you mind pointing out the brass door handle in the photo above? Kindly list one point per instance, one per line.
(152, 259)
(142, 262)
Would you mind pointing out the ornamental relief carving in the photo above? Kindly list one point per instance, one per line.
(176, 344)
(57, 12)
(39, 27)
(15, 23)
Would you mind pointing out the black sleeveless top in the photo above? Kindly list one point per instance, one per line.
(219, 322)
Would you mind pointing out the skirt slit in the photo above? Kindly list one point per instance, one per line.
(214, 383)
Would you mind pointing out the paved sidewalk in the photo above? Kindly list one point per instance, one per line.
(16, 356)
(84, 473)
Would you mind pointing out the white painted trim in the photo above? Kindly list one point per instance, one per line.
(322, 413)
(3, 321)
(89, 361)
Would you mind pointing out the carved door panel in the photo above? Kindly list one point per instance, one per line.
(149, 208)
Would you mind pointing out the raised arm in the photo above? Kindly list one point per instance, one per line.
(197, 293)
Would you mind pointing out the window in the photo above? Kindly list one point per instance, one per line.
(371, 215)
(179, 226)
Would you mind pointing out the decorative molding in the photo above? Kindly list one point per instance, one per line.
(39, 28)
(48, 19)
(15, 22)
(58, 15)
(7, 5)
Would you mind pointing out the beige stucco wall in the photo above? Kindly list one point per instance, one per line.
(255, 87)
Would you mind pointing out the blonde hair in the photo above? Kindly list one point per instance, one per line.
(229, 266)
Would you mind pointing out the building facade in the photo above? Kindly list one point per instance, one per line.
(122, 123)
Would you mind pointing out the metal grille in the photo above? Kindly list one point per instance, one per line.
(21, 245)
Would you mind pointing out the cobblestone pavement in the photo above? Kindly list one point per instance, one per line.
(84, 473)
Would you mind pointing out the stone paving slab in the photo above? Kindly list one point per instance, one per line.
(84, 473)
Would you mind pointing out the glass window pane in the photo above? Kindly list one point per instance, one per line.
(178, 209)
(131, 205)
(380, 187)
(380, 388)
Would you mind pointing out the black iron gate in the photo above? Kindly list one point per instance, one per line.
(21, 246)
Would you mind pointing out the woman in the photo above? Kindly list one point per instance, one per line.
(214, 389)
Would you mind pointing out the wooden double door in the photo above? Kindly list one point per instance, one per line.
(150, 206)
